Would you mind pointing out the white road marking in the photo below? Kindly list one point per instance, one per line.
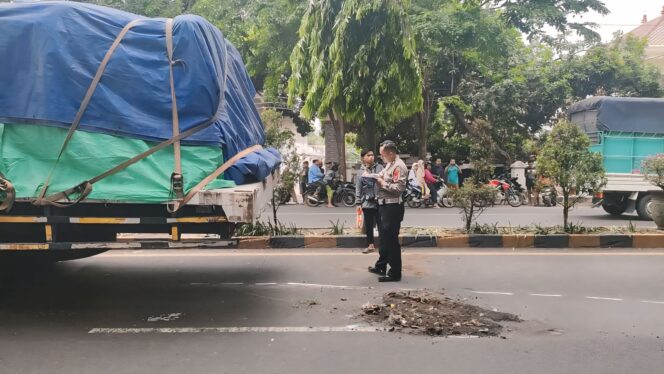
(324, 285)
(603, 298)
(266, 284)
(545, 295)
(233, 330)
(652, 302)
(493, 293)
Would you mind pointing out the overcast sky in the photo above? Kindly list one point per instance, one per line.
(625, 15)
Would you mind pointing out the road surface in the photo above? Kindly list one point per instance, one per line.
(288, 311)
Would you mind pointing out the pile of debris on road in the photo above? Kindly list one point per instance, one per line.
(420, 312)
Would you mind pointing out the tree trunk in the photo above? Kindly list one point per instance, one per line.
(423, 123)
(340, 134)
(565, 209)
(469, 217)
(369, 129)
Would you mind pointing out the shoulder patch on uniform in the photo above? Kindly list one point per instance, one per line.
(396, 174)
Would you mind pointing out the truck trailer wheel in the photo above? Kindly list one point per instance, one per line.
(644, 207)
(614, 210)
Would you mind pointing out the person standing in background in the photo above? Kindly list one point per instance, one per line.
(452, 172)
(366, 193)
(431, 181)
(531, 179)
(438, 169)
(304, 178)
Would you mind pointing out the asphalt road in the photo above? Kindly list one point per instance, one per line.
(320, 217)
(245, 312)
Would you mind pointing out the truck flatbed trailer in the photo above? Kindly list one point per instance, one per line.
(96, 225)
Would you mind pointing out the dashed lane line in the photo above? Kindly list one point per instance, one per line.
(604, 298)
(233, 330)
(334, 286)
(316, 285)
(291, 284)
(652, 302)
(254, 329)
(493, 293)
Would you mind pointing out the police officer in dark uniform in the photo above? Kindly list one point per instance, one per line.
(392, 181)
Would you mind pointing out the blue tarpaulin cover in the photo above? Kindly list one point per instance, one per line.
(51, 52)
(623, 114)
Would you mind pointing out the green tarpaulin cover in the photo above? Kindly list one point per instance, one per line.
(28, 154)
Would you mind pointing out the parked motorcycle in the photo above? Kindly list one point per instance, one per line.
(315, 194)
(345, 194)
(504, 193)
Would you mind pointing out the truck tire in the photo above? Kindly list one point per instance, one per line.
(644, 206)
(614, 210)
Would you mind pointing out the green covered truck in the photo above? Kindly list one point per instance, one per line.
(626, 131)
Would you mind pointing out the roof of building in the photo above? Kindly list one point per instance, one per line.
(653, 30)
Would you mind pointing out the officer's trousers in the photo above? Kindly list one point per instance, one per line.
(389, 251)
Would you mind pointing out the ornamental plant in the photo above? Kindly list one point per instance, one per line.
(567, 159)
(653, 170)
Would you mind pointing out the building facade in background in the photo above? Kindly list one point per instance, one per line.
(653, 30)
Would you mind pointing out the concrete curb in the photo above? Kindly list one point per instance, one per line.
(555, 241)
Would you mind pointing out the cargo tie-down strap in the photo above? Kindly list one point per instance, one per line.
(84, 189)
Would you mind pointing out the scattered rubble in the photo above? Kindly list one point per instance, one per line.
(420, 312)
(164, 317)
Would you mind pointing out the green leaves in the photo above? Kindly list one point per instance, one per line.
(653, 170)
(264, 31)
(566, 158)
(616, 69)
(356, 56)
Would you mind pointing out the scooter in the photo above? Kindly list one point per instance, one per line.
(413, 197)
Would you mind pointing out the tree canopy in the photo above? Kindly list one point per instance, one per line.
(422, 71)
(356, 59)
(567, 159)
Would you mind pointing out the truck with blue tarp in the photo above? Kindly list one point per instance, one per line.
(111, 122)
(626, 131)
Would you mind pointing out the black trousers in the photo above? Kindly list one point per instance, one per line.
(371, 220)
(389, 252)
